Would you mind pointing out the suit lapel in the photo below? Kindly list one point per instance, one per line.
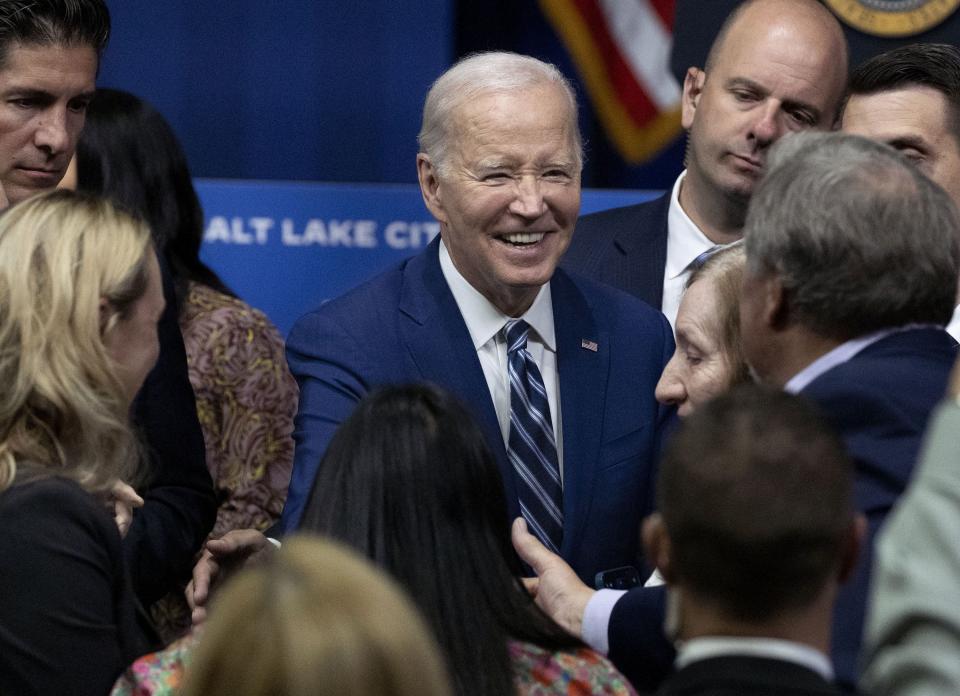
(582, 375)
(440, 346)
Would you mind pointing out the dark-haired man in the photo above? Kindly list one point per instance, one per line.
(777, 66)
(909, 98)
(49, 54)
(755, 533)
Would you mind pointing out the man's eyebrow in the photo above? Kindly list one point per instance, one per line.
(902, 142)
(746, 82)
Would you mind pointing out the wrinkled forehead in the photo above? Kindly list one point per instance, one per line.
(9, 47)
(538, 113)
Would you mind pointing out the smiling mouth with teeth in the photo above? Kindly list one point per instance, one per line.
(523, 238)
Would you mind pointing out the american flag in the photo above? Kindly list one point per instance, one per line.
(622, 51)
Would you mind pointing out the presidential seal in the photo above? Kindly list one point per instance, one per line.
(893, 17)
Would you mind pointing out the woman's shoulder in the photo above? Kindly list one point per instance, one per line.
(48, 502)
(208, 314)
(539, 672)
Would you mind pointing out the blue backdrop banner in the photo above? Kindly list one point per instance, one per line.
(285, 247)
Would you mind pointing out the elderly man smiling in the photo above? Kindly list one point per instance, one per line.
(558, 370)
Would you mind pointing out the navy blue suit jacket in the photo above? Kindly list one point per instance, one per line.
(879, 402)
(624, 247)
(405, 326)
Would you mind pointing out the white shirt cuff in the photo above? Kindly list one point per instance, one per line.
(596, 619)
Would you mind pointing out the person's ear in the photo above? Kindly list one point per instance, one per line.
(855, 539)
(776, 310)
(430, 187)
(656, 544)
(693, 83)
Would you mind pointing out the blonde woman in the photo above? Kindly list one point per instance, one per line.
(80, 296)
(316, 619)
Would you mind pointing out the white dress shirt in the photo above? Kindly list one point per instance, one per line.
(726, 646)
(953, 328)
(485, 324)
(685, 242)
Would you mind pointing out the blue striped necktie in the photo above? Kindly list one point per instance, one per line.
(531, 447)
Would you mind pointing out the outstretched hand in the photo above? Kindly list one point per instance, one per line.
(556, 589)
(220, 558)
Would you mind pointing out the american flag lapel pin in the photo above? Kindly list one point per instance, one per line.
(587, 344)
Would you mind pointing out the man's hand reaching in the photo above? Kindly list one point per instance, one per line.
(556, 589)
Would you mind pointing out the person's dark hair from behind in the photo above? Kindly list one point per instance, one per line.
(754, 485)
(53, 22)
(409, 481)
(128, 153)
(933, 65)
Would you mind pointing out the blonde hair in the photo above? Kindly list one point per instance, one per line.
(62, 407)
(316, 619)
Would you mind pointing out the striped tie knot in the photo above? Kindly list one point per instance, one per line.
(516, 332)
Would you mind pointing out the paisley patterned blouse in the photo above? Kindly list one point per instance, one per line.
(246, 400)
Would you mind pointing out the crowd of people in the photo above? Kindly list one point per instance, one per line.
(703, 445)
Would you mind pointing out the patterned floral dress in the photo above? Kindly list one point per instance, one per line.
(539, 672)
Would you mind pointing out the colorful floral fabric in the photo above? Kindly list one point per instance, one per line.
(157, 674)
(578, 672)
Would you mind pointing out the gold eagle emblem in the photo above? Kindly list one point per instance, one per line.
(892, 18)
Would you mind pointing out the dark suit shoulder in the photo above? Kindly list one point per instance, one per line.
(902, 376)
(623, 247)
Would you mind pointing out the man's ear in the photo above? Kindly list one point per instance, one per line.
(854, 541)
(430, 187)
(692, 89)
(656, 544)
(776, 311)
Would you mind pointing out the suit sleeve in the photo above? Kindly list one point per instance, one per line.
(328, 365)
(913, 626)
(179, 502)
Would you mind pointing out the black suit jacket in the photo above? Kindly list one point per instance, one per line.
(624, 247)
(746, 676)
(179, 502)
(879, 402)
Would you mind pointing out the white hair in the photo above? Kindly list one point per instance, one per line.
(496, 71)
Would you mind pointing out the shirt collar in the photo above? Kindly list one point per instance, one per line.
(774, 648)
(482, 317)
(841, 354)
(685, 240)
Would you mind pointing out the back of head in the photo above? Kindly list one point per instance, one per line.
(498, 71)
(62, 408)
(754, 485)
(921, 64)
(46, 22)
(859, 239)
(127, 152)
(316, 619)
(409, 481)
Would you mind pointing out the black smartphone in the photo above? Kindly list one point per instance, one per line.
(623, 578)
